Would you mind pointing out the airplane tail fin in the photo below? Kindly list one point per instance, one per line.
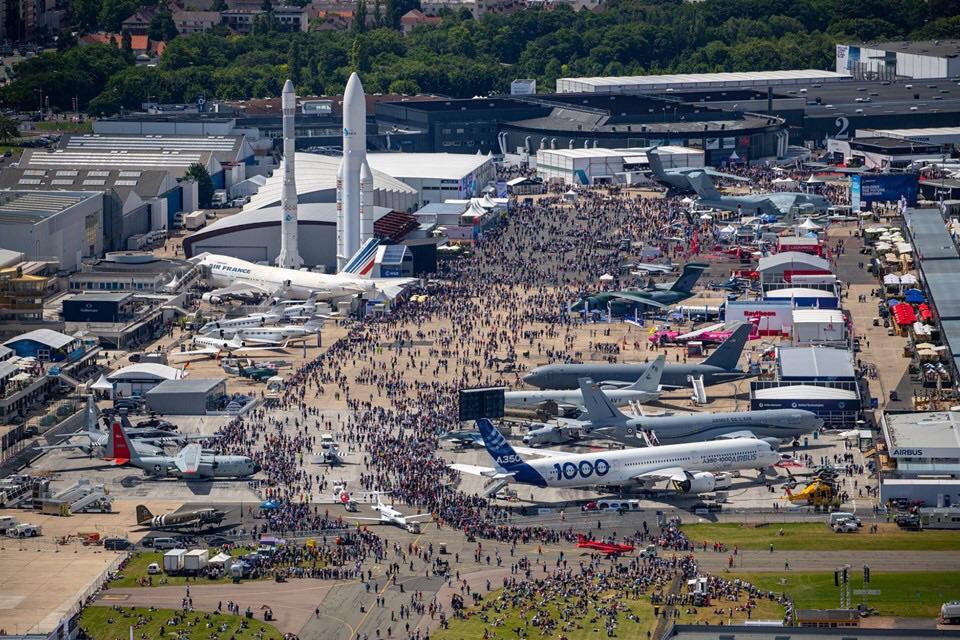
(599, 408)
(497, 446)
(691, 273)
(120, 448)
(361, 263)
(650, 380)
(143, 515)
(656, 166)
(701, 183)
(92, 415)
(728, 353)
(315, 322)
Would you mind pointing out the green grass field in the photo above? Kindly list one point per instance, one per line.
(765, 610)
(64, 126)
(135, 573)
(912, 595)
(106, 623)
(473, 627)
(818, 537)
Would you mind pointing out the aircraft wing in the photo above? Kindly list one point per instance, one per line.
(713, 173)
(486, 472)
(263, 347)
(188, 460)
(239, 288)
(653, 268)
(175, 439)
(737, 434)
(678, 474)
(392, 287)
(207, 351)
(694, 334)
(641, 300)
(543, 453)
(63, 445)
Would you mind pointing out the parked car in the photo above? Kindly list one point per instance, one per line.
(219, 541)
(116, 544)
(164, 544)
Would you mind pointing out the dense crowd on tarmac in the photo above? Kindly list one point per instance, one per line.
(508, 296)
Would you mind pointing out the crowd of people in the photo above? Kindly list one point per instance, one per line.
(393, 380)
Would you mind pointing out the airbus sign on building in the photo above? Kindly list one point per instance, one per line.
(924, 444)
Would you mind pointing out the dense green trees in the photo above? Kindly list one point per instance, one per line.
(198, 173)
(463, 57)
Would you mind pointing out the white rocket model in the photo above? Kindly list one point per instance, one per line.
(289, 257)
(355, 216)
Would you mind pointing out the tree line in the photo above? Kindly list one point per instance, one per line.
(462, 57)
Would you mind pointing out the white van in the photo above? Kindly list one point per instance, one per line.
(24, 530)
(162, 544)
(842, 516)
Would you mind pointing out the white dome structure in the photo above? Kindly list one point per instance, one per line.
(317, 183)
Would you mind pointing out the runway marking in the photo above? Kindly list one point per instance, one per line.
(119, 596)
(353, 632)
(386, 585)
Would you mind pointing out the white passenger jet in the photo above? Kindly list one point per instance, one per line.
(236, 277)
(689, 468)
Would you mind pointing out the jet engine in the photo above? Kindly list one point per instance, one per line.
(211, 298)
(703, 482)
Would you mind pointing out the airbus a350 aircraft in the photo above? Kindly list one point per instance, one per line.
(233, 276)
(689, 468)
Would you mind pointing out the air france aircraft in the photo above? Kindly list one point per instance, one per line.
(689, 468)
(234, 276)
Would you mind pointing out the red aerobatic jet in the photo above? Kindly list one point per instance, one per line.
(607, 548)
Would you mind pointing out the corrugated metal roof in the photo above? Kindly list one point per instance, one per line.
(606, 83)
(185, 385)
(8, 368)
(931, 240)
(815, 362)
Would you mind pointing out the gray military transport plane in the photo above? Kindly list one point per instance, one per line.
(718, 368)
(774, 204)
(677, 179)
(773, 425)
